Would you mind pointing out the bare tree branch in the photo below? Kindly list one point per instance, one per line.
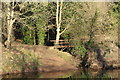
(67, 26)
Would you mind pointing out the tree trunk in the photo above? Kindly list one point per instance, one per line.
(57, 36)
(10, 24)
(58, 21)
(57, 24)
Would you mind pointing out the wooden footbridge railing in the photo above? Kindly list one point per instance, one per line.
(62, 44)
(66, 43)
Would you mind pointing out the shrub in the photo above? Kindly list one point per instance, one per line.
(79, 49)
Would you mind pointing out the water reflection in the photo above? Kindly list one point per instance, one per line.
(70, 75)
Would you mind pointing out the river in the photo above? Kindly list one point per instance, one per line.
(70, 75)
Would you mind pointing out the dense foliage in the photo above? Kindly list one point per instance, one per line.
(35, 23)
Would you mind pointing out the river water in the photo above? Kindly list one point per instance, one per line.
(70, 75)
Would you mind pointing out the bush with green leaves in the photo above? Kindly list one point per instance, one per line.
(79, 49)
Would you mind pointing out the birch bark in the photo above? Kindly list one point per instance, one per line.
(10, 21)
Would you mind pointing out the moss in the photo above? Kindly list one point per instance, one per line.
(65, 56)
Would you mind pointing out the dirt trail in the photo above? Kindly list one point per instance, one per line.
(54, 60)
(50, 60)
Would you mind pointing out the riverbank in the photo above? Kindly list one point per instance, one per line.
(80, 74)
(28, 58)
(23, 58)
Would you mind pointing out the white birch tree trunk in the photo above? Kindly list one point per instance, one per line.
(58, 21)
(10, 21)
(57, 24)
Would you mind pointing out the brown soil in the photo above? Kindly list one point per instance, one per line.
(50, 59)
